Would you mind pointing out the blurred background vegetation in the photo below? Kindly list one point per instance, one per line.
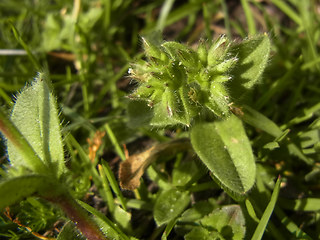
(87, 46)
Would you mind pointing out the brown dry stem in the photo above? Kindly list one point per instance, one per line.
(132, 169)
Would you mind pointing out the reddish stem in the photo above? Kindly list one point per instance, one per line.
(80, 217)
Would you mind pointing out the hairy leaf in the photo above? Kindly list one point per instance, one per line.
(224, 148)
(36, 116)
(70, 232)
(169, 205)
(252, 55)
(228, 221)
(225, 223)
(200, 233)
(16, 189)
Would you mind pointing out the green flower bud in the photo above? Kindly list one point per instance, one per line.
(225, 66)
(180, 84)
(219, 99)
(202, 53)
(218, 51)
(153, 52)
(182, 54)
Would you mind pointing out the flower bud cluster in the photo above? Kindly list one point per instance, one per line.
(180, 83)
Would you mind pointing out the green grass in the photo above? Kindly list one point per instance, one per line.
(88, 50)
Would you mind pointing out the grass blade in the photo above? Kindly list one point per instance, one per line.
(114, 184)
(115, 142)
(165, 10)
(267, 213)
(250, 20)
(25, 46)
(108, 194)
(288, 11)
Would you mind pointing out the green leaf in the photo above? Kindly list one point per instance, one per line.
(169, 205)
(70, 232)
(50, 32)
(310, 138)
(228, 221)
(14, 136)
(159, 179)
(200, 233)
(253, 56)
(88, 19)
(36, 116)
(16, 189)
(184, 173)
(140, 114)
(199, 210)
(271, 145)
(122, 218)
(304, 204)
(224, 148)
(258, 120)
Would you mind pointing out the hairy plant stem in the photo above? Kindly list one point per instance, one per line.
(79, 216)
